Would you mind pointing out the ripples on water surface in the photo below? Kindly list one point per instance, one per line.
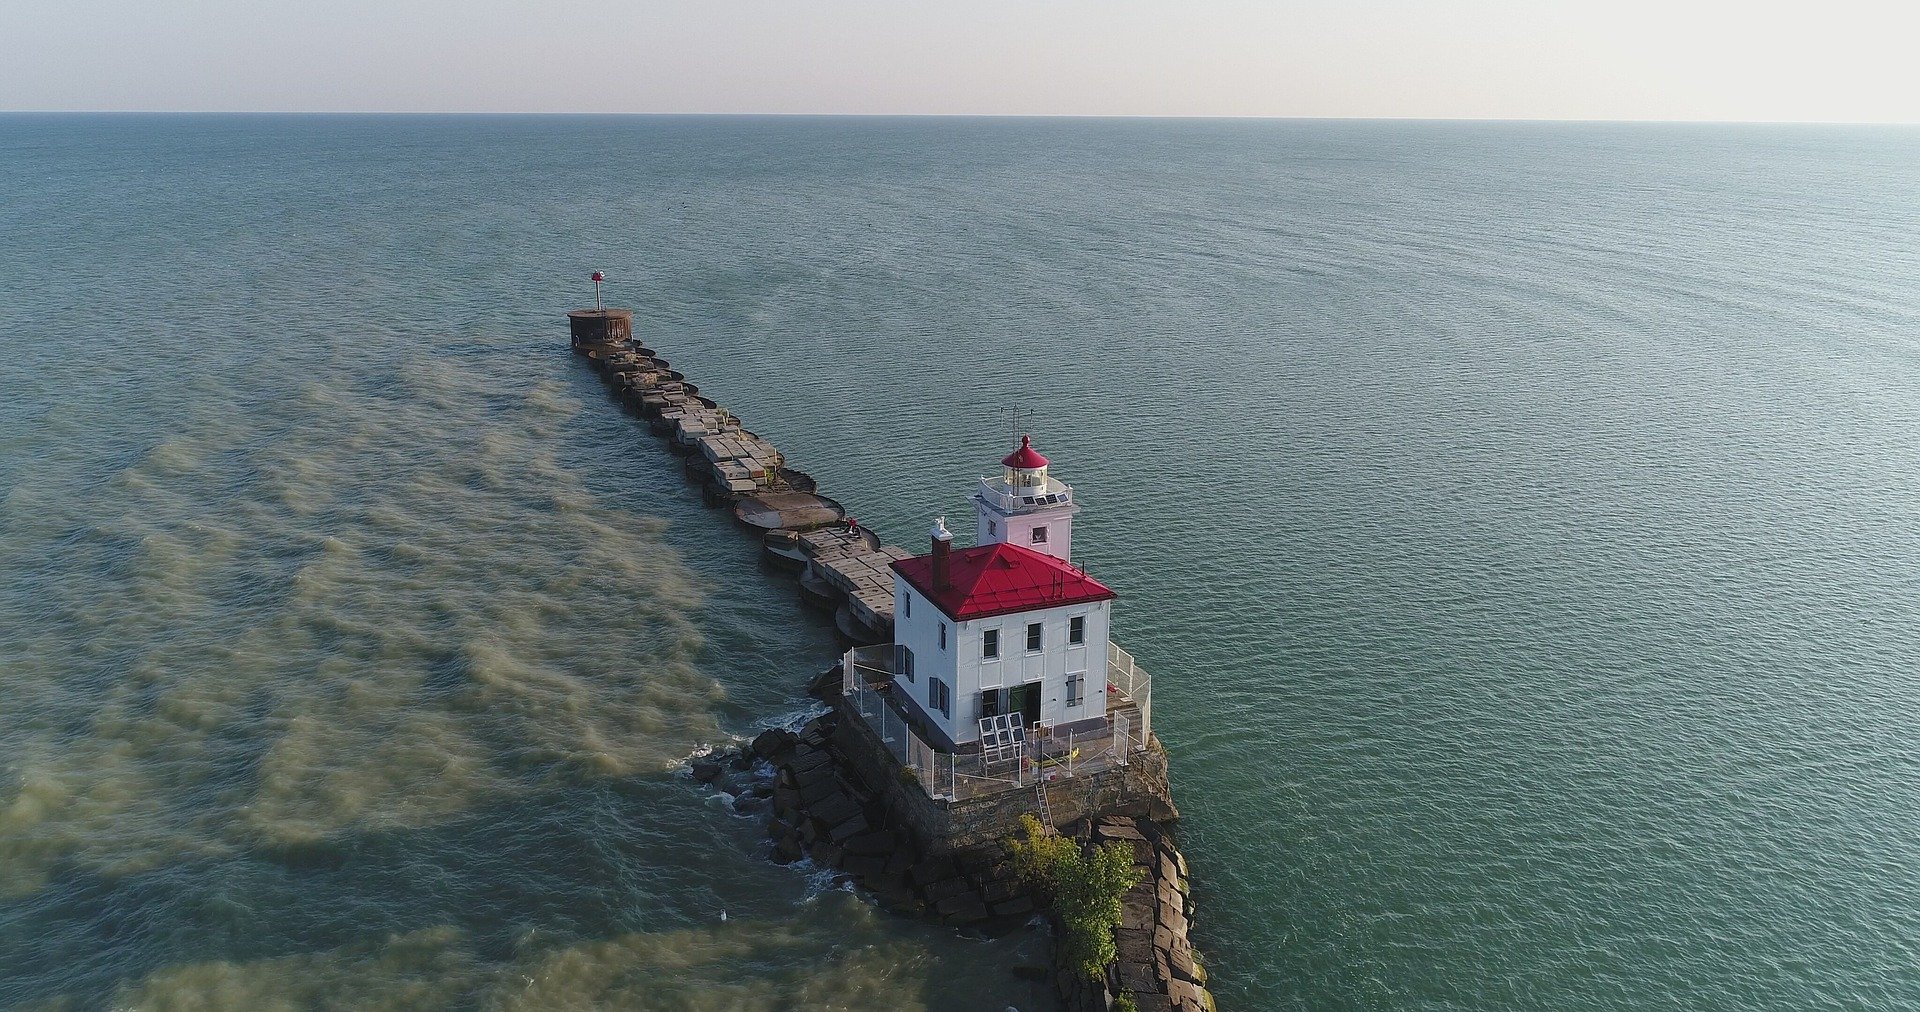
(1520, 521)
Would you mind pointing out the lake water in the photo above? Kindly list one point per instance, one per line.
(1521, 522)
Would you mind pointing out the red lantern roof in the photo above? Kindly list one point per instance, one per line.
(1026, 458)
(1001, 579)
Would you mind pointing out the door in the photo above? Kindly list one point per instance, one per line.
(1025, 700)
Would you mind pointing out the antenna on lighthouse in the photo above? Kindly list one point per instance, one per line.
(597, 278)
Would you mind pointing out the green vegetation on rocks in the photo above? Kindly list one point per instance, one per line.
(1084, 885)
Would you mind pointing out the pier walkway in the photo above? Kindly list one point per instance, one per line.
(737, 468)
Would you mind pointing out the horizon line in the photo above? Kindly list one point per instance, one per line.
(960, 115)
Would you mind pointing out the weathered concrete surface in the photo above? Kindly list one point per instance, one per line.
(594, 328)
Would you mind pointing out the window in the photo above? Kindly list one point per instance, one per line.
(993, 528)
(1039, 535)
(1077, 629)
(906, 662)
(940, 697)
(990, 643)
(908, 599)
(943, 635)
(1033, 636)
(1076, 689)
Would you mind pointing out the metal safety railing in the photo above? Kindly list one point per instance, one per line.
(1013, 500)
(1044, 754)
(1128, 685)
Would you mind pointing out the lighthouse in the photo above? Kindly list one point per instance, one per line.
(1025, 506)
(1007, 632)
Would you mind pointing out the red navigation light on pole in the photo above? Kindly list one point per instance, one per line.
(597, 278)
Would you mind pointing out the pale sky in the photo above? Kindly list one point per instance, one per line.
(1822, 60)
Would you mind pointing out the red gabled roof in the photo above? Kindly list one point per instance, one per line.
(1026, 458)
(1001, 579)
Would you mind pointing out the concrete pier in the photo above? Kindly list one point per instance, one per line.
(841, 794)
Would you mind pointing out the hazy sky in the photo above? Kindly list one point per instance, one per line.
(1822, 60)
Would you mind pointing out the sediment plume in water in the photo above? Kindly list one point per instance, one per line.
(363, 674)
(366, 606)
(834, 954)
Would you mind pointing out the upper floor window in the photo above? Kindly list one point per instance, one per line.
(1077, 629)
(993, 528)
(943, 635)
(1033, 636)
(1039, 535)
(908, 607)
(990, 643)
(906, 662)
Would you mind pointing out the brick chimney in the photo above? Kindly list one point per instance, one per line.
(942, 550)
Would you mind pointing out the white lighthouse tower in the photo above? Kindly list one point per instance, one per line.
(1026, 507)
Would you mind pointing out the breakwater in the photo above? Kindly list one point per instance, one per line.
(842, 795)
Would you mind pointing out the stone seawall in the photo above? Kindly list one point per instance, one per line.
(834, 800)
(825, 806)
(1157, 966)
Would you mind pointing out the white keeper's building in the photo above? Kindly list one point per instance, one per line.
(1008, 628)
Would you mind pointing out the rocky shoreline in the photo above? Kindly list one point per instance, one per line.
(821, 806)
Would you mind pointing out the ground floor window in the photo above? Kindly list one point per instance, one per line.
(1076, 689)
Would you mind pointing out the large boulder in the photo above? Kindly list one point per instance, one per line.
(772, 742)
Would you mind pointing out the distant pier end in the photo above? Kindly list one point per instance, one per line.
(600, 328)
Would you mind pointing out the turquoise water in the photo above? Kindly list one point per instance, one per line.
(1519, 521)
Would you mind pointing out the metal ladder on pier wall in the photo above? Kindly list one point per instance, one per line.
(1046, 810)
